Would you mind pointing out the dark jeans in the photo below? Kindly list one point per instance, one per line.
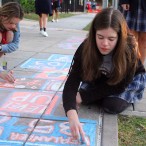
(112, 105)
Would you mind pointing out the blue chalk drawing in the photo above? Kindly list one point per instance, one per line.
(57, 133)
(52, 85)
(57, 118)
(26, 103)
(60, 58)
(14, 131)
(41, 64)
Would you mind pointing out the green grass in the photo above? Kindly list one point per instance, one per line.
(87, 27)
(131, 131)
(34, 16)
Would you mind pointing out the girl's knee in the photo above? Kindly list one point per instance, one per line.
(114, 105)
(113, 110)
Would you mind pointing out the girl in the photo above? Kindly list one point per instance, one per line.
(55, 8)
(43, 9)
(135, 14)
(108, 68)
(11, 14)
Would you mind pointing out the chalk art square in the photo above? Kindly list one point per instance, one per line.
(14, 131)
(62, 87)
(68, 46)
(52, 74)
(56, 133)
(29, 83)
(4, 94)
(53, 106)
(42, 64)
(60, 58)
(71, 43)
(52, 85)
(75, 39)
(31, 104)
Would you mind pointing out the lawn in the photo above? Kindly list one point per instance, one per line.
(33, 16)
(131, 131)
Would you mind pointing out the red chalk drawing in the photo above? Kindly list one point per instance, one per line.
(31, 83)
(54, 132)
(43, 132)
(54, 74)
(53, 104)
(18, 136)
(28, 102)
(71, 43)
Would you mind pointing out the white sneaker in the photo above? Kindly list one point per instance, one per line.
(42, 32)
(53, 20)
(57, 20)
(45, 34)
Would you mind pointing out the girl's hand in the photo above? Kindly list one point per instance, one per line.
(125, 7)
(7, 76)
(75, 125)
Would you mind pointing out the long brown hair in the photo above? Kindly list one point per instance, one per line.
(11, 10)
(124, 59)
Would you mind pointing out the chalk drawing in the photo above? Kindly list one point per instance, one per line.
(57, 133)
(60, 58)
(54, 75)
(71, 43)
(15, 131)
(41, 64)
(27, 102)
(75, 39)
(62, 87)
(30, 83)
(52, 85)
(68, 46)
(54, 104)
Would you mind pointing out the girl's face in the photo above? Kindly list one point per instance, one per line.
(106, 40)
(10, 24)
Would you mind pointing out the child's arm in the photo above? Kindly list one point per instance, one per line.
(7, 76)
(75, 126)
(13, 46)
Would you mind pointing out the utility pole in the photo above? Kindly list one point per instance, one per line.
(85, 5)
(74, 5)
(104, 3)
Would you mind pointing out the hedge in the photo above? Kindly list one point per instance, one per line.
(27, 5)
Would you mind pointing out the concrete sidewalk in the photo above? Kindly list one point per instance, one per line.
(31, 110)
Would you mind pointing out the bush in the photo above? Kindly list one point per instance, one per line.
(27, 5)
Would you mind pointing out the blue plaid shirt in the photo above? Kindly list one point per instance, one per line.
(134, 90)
